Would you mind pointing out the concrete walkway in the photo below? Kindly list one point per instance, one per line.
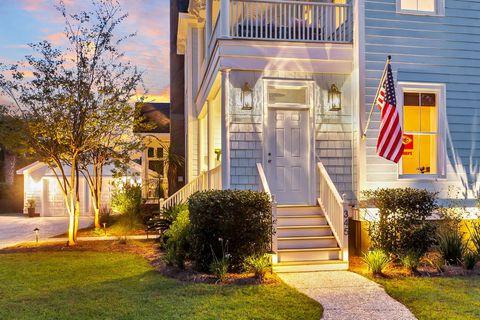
(346, 295)
(17, 228)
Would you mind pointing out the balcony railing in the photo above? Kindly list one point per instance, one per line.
(290, 20)
(281, 20)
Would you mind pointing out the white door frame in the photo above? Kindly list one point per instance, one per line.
(309, 84)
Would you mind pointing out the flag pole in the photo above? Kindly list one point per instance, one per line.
(364, 134)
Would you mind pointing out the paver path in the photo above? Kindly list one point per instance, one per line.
(16, 228)
(346, 295)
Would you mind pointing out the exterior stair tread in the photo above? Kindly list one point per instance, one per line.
(306, 237)
(301, 216)
(304, 226)
(309, 262)
(297, 206)
(308, 249)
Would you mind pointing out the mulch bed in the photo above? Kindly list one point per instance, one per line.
(150, 250)
(426, 268)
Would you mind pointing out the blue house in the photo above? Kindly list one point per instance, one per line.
(435, 47)
(277, 97)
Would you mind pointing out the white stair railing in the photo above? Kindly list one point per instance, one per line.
(207, 180)
(335, 208)
(265, 188)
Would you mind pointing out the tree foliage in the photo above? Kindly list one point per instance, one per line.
(402, 224)
(75, 105)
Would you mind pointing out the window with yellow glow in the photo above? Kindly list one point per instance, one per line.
(418, 5)
(420, 126)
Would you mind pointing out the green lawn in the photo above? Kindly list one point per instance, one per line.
(437, 298)
(96, 285)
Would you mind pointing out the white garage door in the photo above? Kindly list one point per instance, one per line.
(53, 203)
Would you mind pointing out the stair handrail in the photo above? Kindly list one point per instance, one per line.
(335, 209)
(266, 188)
(200, 183)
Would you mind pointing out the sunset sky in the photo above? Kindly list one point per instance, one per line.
(26, 21)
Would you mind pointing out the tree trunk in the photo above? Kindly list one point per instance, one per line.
(71, 229)
(10, 162)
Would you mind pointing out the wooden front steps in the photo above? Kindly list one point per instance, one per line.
(305, 241)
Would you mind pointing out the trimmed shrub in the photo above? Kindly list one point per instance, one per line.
(377, 261)
(241, 217)
(402, 225)
(451, 245)
(177, 245)
(258, 264)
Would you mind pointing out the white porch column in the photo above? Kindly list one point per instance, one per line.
(210, 139)
(208, 25)
(225, 18)
(200, 142)
(225, 129)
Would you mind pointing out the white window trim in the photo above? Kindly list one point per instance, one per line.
(440, 90)
(439, 9)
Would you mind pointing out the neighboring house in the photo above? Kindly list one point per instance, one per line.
(281, 91)
(149, 169)
(41, 185)
(157, 143)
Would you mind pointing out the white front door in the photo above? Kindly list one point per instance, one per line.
(288, 155)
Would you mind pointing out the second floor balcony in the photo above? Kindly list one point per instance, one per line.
(280, 20)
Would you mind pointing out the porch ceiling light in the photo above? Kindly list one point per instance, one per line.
(247, 97)
(334, 98)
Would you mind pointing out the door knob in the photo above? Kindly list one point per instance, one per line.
(269, 161)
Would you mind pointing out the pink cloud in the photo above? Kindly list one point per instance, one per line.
(57, 38)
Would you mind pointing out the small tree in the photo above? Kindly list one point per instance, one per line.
(74, 95)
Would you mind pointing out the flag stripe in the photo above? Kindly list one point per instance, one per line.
(389, 142)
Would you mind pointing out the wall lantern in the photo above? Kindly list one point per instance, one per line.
(334, 98)
(247, 97)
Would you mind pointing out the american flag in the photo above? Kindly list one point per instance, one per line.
(389, 143)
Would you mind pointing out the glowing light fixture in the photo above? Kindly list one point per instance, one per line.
(247, 97)
(334, 98)
(36, 230)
